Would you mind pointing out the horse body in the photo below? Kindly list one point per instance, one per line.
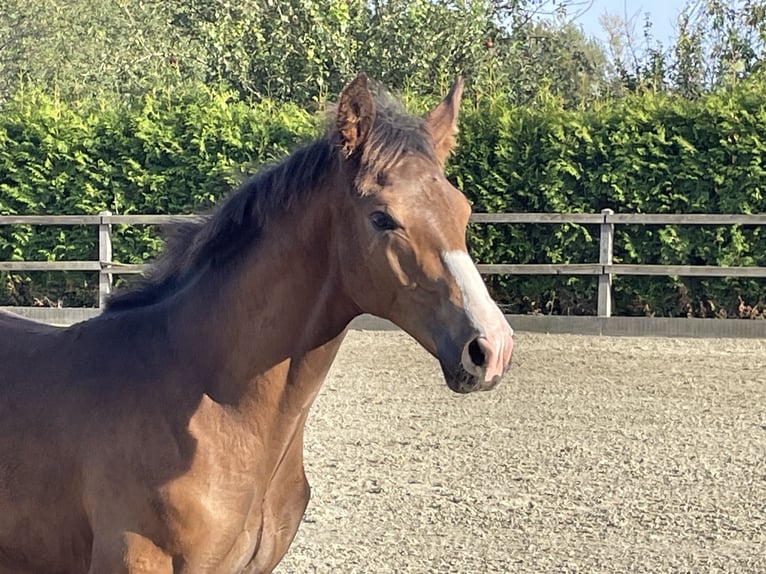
(166, 435)
(195, 438)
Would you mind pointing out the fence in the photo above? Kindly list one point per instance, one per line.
(604, 268)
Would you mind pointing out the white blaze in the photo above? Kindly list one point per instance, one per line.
(494, 331)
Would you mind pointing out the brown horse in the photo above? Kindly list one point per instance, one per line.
(166, 435)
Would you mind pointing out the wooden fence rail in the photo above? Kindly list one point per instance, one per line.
(604, 269)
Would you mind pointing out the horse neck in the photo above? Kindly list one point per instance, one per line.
(268, 328)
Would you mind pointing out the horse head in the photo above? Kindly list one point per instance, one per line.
(401, 246)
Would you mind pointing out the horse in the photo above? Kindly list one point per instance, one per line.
(165, 435)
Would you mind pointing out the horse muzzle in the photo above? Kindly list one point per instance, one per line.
(480, 363)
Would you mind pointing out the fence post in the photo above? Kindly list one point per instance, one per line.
(605, 258)
(105, 258)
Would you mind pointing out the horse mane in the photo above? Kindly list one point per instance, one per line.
(216, 238)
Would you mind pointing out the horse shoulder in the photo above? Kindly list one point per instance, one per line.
(205, 507)
(240, 493)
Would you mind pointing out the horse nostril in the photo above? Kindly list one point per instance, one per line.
(476, 353)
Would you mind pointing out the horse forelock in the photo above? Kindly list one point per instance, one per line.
(215, 238)
(394, 134)
(393, 137)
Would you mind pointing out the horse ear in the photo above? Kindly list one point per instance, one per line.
(355, 116)
(441, 122)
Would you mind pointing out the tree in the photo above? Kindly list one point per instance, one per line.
(87, 46)
(295, 50)
(718, 43)
(554, 53)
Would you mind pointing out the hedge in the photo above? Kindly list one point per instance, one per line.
(646, 153)
(169, 153)
(180, 152)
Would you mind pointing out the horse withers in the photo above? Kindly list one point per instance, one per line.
(166, 434)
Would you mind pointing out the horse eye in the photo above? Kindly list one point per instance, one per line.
(382, 221)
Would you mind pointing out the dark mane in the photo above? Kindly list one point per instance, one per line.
(239, 221)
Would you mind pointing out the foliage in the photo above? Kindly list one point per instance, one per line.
(297, 51)
(104, 106)
(645, 153)
(86, 47)
(180, 151)
(718, 43)
(291, 50)
(169, 153)
(302, 51)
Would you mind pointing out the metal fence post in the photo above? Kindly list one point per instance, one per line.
(105, 258)
(605, 258)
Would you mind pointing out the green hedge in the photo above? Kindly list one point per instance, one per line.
(170, 153)
(180, 152)
(648, 153)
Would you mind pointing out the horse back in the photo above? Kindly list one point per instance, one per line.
(13, 326)
(24, 344)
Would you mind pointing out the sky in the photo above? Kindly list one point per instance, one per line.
(663, 15)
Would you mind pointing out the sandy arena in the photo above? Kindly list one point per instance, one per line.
(595, 455)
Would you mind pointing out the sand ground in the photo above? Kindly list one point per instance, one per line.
(595, 455)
